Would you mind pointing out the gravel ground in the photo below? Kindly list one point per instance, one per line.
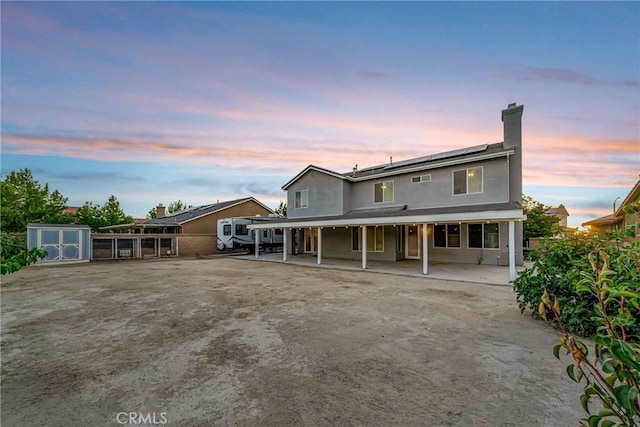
(236, 342)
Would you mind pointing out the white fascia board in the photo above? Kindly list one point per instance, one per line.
(315, 168)
(507, 215)
(435, 165)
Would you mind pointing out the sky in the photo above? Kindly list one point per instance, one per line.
(206, 101)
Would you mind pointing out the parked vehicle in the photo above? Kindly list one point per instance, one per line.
(233, 234)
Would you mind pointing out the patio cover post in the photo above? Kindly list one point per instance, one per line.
(425, 250)
(364, 246)
(512, 250)
(257, 248)
(319, 245)
(285, 243)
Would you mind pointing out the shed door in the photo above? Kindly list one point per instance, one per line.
(60, 245)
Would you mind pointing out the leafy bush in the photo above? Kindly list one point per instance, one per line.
(12, 244)
(613, 376)
(557, 267)
(16, 262)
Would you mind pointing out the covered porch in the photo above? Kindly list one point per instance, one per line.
(428, 226)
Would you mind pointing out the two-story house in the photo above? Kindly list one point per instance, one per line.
(458, 206)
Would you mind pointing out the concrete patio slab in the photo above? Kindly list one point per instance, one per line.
(486, 274)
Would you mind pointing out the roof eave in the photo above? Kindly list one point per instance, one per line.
(315, 168)
(502, 215)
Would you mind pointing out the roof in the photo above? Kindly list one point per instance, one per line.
(447, 158)
(179, 218)
(633, 196)
(39, 225)
(400, 214)
(618, 215)
(315, 168)
(605, 220)
(559, 211)
(186, 215)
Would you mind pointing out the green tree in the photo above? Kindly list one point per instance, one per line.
(282, 209)
(177, 206)
(172, 208)
(96, 216)
(24, 200)
(538, 223)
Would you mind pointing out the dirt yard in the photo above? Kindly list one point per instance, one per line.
(233, 342)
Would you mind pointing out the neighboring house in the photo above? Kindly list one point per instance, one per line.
(70, 210)
(459, 206)
(618, 219)
(561, 213)
(189, 232)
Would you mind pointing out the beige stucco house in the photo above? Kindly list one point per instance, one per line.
(619, 219)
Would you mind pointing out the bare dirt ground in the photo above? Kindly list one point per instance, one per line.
(233, 342)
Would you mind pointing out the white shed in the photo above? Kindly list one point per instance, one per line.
(64, 243)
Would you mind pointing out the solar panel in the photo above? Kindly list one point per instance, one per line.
(438, 156)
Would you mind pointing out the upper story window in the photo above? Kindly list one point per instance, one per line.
(467, 181)
(383, 192)
(484, 236)
(421, 178)
(226, 230)
(302, 199)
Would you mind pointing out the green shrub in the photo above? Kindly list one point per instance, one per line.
(612, 377)
(558, 266)
(12, 245)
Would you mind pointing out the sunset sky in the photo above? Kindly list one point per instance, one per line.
(207, 101)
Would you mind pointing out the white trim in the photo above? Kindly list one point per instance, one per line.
(513, 214)
(434, 166)
(399, 171)
(364, 246)
(319, 248)
(314, 168)
(425, 249)
(512, 251)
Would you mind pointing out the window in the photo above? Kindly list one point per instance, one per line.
(446, 236)
(302, 199)
(241, 230)
(484, 236)
(400, 238)
(467, 181)
(265, 234)
(383, 192)
(421, 178)
(278, 231)
(226, 230)
(375, 239)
